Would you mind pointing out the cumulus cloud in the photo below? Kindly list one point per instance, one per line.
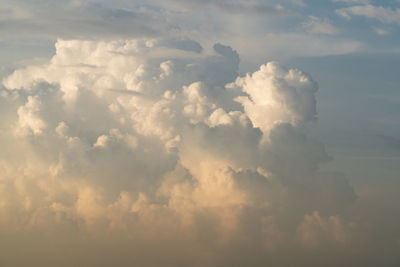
(28, 118)
(290, 98)
(154, 149)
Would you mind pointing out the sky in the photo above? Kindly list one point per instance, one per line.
(199, 133)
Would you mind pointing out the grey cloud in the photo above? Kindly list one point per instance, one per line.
(226, 51)
(390, 142)
(185, 45)
(236, 7)
(96, 19)
(85, 20)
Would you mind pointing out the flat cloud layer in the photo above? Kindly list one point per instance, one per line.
(150, 153)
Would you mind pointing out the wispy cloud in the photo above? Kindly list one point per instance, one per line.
(383, 14)
(319, 26)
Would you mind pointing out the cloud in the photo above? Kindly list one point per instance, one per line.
(79, 19)
(29, 121)
(380, 31)
(236, 7)
(295, 104)
(352, 1)
(185, 44)
(103, 20)
(319, 26)
(383, 14)
(281, 45)
(178, 23)
(313, 228)
(149, 148)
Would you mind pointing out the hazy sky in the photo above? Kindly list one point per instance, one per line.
(199, 133)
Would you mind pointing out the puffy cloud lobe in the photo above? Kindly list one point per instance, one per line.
(277, 95)
(28, 117)
(152, 142)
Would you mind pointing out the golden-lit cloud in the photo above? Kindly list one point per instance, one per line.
(141, 146)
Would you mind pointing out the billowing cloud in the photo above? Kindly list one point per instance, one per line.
(142, 148)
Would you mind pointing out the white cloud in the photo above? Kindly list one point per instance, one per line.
(166, 67)
(383, 14)
(28, 117)
(277, 95)
(319, 26)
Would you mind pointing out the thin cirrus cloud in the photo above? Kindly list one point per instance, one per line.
(383, 14)
(100, 19)
(231, 7)
(381, 31)
(319, 26)
(178, 21)
(352, 1)
(78, 19)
